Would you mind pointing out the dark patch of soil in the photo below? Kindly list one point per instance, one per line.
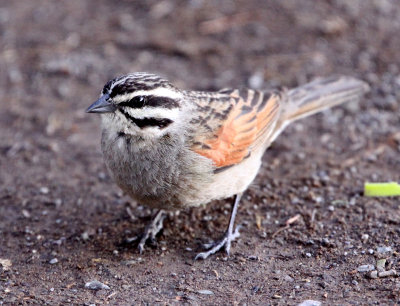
(63, 222)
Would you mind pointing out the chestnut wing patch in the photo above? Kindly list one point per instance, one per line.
(236, 125)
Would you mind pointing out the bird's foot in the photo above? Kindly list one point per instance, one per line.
(152, 229)
(225, 243)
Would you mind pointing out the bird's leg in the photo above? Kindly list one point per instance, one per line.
(229, 235)
(152, 229)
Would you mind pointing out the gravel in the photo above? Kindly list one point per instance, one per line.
(96, 285)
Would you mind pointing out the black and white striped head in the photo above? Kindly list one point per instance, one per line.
(140, 104)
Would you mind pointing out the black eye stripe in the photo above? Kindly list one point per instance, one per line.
(136, 102)
(150, 101)
(148, 122)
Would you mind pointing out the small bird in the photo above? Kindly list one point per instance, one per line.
(170, 149)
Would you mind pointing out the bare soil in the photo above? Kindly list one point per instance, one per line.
(63, 222)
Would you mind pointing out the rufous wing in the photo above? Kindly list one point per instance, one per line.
(245, 123)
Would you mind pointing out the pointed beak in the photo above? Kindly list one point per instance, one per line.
(102, 105)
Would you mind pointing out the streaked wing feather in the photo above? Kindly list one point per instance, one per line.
(237, 122)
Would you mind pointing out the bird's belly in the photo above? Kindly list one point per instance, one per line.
(235, 179)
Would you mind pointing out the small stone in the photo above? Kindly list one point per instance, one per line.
(387, 273)
(26, 213)
(130, 262)
(44, 190)
(288, 278)
(364, 238)
(310, 303)
(85, 236)
(206, 292)
(384, 249)
(370, 251)
(58, 202)
(102, 176)
(96, 285)
(53, 261)
(308, 254)
(365, 268)
(6, 264)
(373, 274)
(380, 265)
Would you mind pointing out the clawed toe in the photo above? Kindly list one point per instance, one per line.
(224, 243)
(152, 229)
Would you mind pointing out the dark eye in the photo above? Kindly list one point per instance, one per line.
(136, 102)
(142, 101)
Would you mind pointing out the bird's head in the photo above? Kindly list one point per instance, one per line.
(140, 104)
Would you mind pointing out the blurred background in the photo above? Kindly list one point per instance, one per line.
(57, 199)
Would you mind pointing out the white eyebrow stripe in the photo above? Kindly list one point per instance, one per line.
(117, 83)
(151, 112)
(159, 92)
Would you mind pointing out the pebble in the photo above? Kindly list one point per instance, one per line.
(26, 213)
(333, 25)
(85, 236)
(310, 303)
(370, 251)
(5, 263)
(365, 268)
(387, 273)
(58, 202)
(364, 238)
(44, 190)
(381, 274)
(288, 278)
(96, 285)
(380, 265)
(384, 249)
(206, 292)
(53, 261)
(130, 262)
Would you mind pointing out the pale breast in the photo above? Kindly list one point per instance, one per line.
(163, 174)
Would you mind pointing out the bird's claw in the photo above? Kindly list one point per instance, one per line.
(152, 229)
(225, 243)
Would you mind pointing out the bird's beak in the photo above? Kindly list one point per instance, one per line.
(102, 105)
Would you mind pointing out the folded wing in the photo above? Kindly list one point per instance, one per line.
(234, 123)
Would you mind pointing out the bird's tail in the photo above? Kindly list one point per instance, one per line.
(318, 95)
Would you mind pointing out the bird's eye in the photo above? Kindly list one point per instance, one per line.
(142, 101)
(136, 102)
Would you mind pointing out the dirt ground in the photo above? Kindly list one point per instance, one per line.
(63, 222)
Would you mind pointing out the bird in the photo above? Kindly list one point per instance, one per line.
(171, 149)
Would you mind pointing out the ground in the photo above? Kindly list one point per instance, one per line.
(307, 228)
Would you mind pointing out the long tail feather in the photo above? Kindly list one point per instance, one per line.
(320, 94)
